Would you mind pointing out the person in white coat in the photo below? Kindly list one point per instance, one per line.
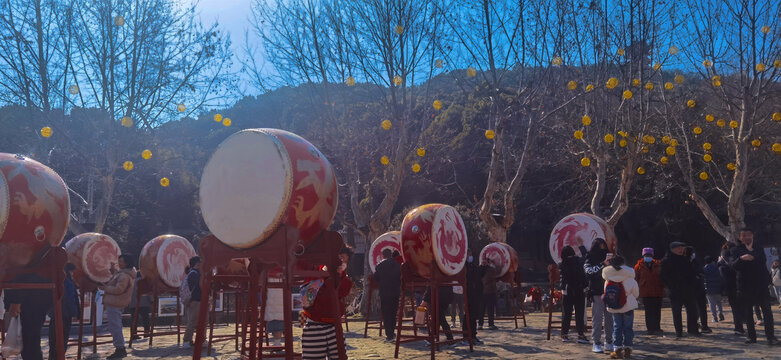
(621, 304)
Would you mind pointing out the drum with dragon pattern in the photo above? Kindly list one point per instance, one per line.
(502, 255)
(389, 240)
(165, 258)
(434, 233)
(579, 229)
(93, 254)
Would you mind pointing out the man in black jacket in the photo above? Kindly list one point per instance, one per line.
(573, 282)
(474, 294)
(596, 260)
(731, 286)
(752, 282)
(387, 274)
(678, 275)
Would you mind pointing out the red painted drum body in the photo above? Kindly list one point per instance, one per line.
(502, 255)
(259, 179)
(93, 254)
(434, 233)
(34, 209)
(165, 258)
(579, 229)
(389, 240)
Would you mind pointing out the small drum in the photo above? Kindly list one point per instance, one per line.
(34, 209)
(165, 258)
(502, 255)
(389, 240)
(434, 232)
(259, 179)
(93, 254)
(579, 229)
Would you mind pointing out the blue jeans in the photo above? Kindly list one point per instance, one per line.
(623, 334)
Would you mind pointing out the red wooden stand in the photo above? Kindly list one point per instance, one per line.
(278, 250)
(88, 290)
(517, 310)
(371, 324)
(49, 264)
(222, 284)
(156, 288)
(409, 282)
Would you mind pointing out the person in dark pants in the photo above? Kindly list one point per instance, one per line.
(731, 287)
(573, 284)
(753, 280)
(647, 274)
(679, 277)
(70, 309)
(445, 295)
(702, 308)
(489, 294)
(387, 274)
(31, 305)
(474, 294)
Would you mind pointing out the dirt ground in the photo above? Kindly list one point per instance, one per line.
(505, 343)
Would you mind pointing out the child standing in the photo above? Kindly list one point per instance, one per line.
(620, 298)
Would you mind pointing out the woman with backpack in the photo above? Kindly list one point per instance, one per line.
(620, 298)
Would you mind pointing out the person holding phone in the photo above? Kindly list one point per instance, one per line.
(118, 291)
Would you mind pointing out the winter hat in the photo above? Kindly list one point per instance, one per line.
(648, 251)
(676, 244)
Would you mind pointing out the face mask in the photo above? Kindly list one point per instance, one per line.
(648, 259)
(470, 258)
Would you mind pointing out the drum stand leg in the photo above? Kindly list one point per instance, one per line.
(153, 319)
(80, 340)
(93, 313)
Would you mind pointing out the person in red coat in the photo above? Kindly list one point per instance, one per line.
(647, 274)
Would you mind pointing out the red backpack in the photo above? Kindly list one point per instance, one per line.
(615, 295)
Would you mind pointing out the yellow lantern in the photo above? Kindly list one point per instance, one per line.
(622, 143)
(572, 85)
(673, 142)
(666, 140)
(777, 64)
(386, 124)
(707, 157)
(664, 160)
(397, 80)
(578, 134)
(46, 131)
(586, 120)
(146, 154)
(181, 108)
(127, 121)
(218, 117)
(649, 86)
(697, 130)
(73, 89)
(760, 67)
(716, 80)
(627, 94)
(733, 124)
(585, 162)
(756, 143)
(641, 170)
(556, 61)
(678, 79)
(644, 149)
(589, 87)
(164, 182)
(471, 72)
(439, 63)
(776, 116)
(657, 66)
(620, 52)
(612, 83)
(707, 146)
(648, 139)
(673, 50)
(421, 152)
(691, 103)
(765, 29)
(636, 82)
(777, 148)
(350, 81)
(703, 176)
(437, 104)
(119, 20)
(707, 63)
(384, 160)
(416, 168)
(622, 133)
(609, 138)
(490, 134)
(670, 150)
(709, 118)
(227, 122)
(720, 123)
(731, 167)
(127, 165)
(398, 29)
(668, 86)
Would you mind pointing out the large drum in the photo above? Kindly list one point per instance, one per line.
(502, 255)
(165, 258)
(259, 179)
(579, 229)
(34, 209)
(93, 254)
(434, 233)
(389, 240)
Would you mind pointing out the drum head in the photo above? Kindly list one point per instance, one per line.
(499, 255)
(389, 240)
(172, 258)
(245, 188)
(576, 230)
(5, 203)
(450, 242)
(98, 254)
